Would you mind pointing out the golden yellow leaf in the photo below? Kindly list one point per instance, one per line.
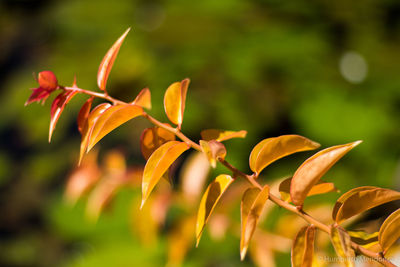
(360, 201)
(143, 99)
(272, 149)
(363, 238)
(108, 61)
(390, 231)
(174, 101)
(342, 244)
(88, 127)
(153, 138)
(110, 119)
(221, 135)
(159, 163)
(309, 173)
(210, 198)
(252, 204)
(319, 188)
(213, 150)
(302, 253)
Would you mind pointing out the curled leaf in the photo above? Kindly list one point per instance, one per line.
(221, 135)
(143, 99)
(252, 204)
(57, 108)
(390, 231)
(210, 198)
(84, 114)
(342, 243)
(110, 119)
(174, 101)
(303, 247)
(319, 188)
(362, 200)
(47, 80)
(213, 150)
(158, 164)
(153, 138)
(108, 61)
(272, 149)
(309, 173)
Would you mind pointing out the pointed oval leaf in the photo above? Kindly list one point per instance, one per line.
(253, 202)
(345, 196)
(84, 114)
(309, 173)
(143, 99)
(213, 150)
(272, 149)
(108, 61)
(88, 128)
(174, 101)
(110, 119)
(210, 198)
(153, 138)
(57, 108)
(47, 80)
(320, 188)
(158, 164)
(303, 247)
(342, 244)
(390, 231)
(221, 135)
(361, 201)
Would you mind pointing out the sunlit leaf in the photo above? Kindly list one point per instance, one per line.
(390, 231)
(221, 135)
(342, 243)
(143, 99)
(84, 114)
(110, 119)
(153, 138)
(88, 127)
(272, 149)
(159, 163)
(47, 80)
(363, 238)
(108, 61)
(213, 150)
(252, 204)
(174, 101)
(210, 198)
(309, 173)
(319, 188)
(57, 108)
(303, 247)
(362, 200)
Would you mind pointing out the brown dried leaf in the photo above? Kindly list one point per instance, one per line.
(390, 231)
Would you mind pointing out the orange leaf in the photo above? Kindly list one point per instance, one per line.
(210, 198)
(84, 114)
(143, 99)
(390, 231)
(213, 150)
(159, 163)
(88, 128)
(57, 108)
(342, 243)
(221, 135)
(110, 119)
(272, 149)
(153, 138)
(108, 61)
(309, 173)
(303, 247)
(252, 204)
(174, 101)
(361, 200)
(319, 188)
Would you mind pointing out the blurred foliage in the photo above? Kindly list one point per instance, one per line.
(270, 67)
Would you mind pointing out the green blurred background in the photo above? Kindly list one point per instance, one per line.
(328, 70)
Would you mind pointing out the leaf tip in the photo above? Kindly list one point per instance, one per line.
(243, 254)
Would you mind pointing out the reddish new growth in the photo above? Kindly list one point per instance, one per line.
(47, 84)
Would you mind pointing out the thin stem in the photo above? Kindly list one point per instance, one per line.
(378, 257)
